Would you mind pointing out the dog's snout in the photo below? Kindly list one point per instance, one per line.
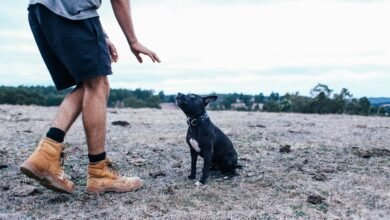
(179, 95)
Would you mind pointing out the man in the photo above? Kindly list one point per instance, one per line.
(77, 52)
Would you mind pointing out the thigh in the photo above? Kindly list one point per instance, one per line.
(79, 44)
(58, 71)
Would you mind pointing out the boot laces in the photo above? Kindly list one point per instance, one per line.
(62, 158)
(112, 167)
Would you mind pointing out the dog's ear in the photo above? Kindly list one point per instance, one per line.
(208, 99)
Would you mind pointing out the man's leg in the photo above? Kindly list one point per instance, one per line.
(44, 164)
(96, 92)
(101, 176)
(69, 109)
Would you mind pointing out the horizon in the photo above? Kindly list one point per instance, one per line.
(267, 46)
(219, 93)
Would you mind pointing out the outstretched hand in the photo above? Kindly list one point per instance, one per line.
(138, 49)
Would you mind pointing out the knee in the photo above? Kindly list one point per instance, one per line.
(98, 84)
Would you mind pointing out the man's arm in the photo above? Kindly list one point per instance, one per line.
(122, 13)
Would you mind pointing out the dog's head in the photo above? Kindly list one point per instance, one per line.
(193, 105)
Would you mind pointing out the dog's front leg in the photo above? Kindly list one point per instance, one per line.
(194, 159)
(206, 165)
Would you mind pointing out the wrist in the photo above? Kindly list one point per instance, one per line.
(132, 40)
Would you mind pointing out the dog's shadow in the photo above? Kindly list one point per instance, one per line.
(217, 175)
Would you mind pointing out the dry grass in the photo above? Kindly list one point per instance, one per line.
(342, 159)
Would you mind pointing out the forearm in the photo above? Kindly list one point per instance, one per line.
(122, 13)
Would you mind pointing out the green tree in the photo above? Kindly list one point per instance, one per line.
(259, 98)
(153, 102)
(161, 95)
(320, 88)
(339, 103)
(133, 102)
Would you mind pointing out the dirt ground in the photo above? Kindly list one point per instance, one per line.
(296, 166)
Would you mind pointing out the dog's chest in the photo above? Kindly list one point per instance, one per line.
(194, 144)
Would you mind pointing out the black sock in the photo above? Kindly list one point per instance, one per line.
(56, 134)
(97, 157)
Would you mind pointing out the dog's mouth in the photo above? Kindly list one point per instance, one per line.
(178, 101)
(181, 100)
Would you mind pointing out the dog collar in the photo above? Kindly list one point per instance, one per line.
(195, 121)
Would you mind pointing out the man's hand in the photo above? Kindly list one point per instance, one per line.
(137, 49)
(112, 50)
(123, 15)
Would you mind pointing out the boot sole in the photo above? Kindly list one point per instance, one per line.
(46, 180)
(95, 190)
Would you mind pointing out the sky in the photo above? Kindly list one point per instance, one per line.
(226, 46)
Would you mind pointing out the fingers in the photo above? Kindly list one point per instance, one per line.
(139, 58)
(114, 54)
(153, 56)
(156, 57)
(139, 49)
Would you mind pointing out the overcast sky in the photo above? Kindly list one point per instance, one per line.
(222, 46)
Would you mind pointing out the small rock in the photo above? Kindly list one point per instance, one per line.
(315, 199)
(329, 169)
(129, 202)
(138, 161)
(257, 126)
(121, 123)
(298, 132)
(375, 152)
(169, 190)
(245, 158)
(113, 112)
(24, 191)
(285, 149)
(27, 131)
(157, 149)
(177, 164)
(158, 173)
(250, 174)
(366, 154)
(58, 199)
(319, 177)
(3, 166)
(5, 188)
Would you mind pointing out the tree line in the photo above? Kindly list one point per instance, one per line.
(322, 100)
(49, 96)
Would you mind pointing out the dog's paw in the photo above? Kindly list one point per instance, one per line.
(191, 177)
(198, 183)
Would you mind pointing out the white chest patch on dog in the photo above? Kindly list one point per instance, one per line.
(194, 144)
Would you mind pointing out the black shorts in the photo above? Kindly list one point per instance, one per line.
(73, 50)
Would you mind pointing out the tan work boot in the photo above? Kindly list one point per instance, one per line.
(45, 166)
(103, 178)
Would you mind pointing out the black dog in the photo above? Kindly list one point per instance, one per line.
(205, 139)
